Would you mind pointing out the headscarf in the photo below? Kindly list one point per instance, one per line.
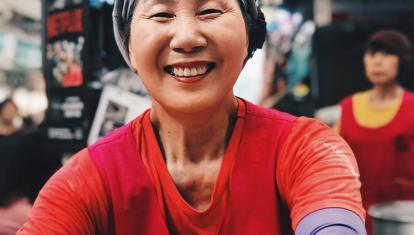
(121, 14)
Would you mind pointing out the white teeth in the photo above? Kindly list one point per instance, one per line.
(180, 72)
(204, 69)
(189, 72)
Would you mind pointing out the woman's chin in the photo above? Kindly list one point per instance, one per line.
(383, 82)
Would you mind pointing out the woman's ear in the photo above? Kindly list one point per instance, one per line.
(132, 61)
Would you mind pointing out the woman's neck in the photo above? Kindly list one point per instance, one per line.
(382, 96)
(194, 137)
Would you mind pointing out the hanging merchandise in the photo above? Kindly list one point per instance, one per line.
(297, 68)
(287, 83)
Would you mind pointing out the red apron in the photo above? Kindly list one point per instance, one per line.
(254, 207)
(385, 155)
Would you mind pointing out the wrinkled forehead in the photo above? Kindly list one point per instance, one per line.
(175, 1)
(124, 8)
(149, 3)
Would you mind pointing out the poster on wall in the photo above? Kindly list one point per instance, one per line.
(63, 58)
(116, 108)
(64, 42)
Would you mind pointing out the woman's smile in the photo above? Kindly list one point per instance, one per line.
(190, 72)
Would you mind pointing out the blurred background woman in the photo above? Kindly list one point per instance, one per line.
(8, 117)
(378, 123)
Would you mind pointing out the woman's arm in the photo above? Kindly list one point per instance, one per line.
(73, 201)
(317, 170)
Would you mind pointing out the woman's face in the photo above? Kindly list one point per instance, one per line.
(188, 53)
(381, 68)
(8, 113)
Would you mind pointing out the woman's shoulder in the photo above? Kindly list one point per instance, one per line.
(71, 195)
(409, 95)
(355, 97)
(78, 162)
(361, 95)
(78, 168)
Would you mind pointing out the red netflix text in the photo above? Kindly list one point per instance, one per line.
(65, 22)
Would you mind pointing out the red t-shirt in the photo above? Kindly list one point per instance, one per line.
(316, 169)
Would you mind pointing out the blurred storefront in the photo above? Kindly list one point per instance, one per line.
(313, 55)
(21, 58)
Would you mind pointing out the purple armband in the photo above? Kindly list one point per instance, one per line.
(331, 221)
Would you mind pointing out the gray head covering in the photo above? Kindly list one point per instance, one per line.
(123, 10)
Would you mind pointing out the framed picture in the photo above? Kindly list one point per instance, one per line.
(116, 107)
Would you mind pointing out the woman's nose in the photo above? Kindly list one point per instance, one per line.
(187, 36)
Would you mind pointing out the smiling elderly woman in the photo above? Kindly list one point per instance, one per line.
(201, 161)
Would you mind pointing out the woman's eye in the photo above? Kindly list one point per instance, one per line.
(162, 16)
(208, 12)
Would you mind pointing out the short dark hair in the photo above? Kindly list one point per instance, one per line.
(395, 43)
(376, 46)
